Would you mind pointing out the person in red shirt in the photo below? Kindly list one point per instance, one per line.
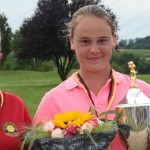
(13, 117)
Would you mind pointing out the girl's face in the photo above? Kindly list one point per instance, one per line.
(93, 43)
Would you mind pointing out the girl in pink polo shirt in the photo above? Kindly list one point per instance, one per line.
(92, 36)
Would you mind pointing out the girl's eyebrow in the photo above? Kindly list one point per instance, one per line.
(103, 37)
(84, 38)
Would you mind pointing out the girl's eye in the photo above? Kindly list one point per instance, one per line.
(103, 41)
(84, 42)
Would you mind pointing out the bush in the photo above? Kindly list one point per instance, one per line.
(117, 67)
(121, 63)
(47, 66)
(75, 64)
(10, 62)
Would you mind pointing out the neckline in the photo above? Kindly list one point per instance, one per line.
(112, 90)
(88, 91)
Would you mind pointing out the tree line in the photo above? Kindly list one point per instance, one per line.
(41, 38)
(137, 43)
(40, 43)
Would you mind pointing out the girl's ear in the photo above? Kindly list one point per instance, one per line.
(71, 43)
(114, 40)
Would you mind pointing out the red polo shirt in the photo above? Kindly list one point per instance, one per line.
(13, 116)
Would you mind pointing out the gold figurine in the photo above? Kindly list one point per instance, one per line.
(133, 73)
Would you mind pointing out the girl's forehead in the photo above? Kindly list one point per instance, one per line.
(92, 27)
(87, 17)
(92, 23)
(91, 20)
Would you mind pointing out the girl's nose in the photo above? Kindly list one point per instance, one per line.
(94, 48)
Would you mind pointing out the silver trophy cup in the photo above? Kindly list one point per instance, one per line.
(136, 109)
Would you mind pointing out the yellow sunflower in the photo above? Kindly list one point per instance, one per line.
(76, 118)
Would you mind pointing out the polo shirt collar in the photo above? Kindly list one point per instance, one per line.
(72, 83)
(119, 76)
(1, 99)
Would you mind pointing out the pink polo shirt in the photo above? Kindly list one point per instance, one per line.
(69, 95)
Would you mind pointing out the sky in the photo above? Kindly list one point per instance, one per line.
(133, 16)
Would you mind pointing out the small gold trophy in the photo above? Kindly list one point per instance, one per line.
(136, 108)
(133, 73)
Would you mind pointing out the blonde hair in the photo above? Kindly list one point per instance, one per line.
(90, 10)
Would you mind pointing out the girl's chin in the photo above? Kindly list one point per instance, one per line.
(97, 69)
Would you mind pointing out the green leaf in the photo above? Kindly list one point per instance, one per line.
(92, 110)
(107, 126)
(105, 113)
(91, 138)
(119, 115)
(32, 135)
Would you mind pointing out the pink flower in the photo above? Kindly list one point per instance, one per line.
(86, 126)
(72, 129)
(90, 125)
(68, 135)
(100, 122)
(57, 133)
(94, 123)
(48, 126)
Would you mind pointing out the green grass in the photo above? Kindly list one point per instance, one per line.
(144, 77)
(31, 85)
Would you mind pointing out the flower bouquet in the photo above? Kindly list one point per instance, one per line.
(71, 130)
